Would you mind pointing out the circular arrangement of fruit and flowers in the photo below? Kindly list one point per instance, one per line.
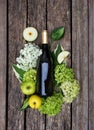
(66, 87)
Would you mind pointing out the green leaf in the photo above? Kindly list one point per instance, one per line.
(57, 33)
(25, 104)
(56, 53)
(18, 72)
(58, 50)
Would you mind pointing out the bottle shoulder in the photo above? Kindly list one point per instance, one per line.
(44, 58)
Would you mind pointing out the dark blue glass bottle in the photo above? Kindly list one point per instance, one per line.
(44, 69)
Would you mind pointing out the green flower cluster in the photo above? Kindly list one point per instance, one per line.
(70, 90)
(30, 75)
(52, 105)
(62, 74)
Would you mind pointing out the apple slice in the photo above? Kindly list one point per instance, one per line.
(30, 34)
(61, 57)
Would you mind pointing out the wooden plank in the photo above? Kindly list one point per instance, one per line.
(80, 62)
(91, 65)
(16, 24)
(37, 16)
(59, 15)
(37, 19)
(3, 45)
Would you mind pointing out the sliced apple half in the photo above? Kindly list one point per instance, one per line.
(30, 34)
(62, 56)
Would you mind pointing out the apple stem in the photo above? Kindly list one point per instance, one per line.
(34, 105)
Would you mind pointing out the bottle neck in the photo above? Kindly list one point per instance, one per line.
(44, 47)
(45, 41)
(44, 37)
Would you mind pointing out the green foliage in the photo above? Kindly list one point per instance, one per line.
(18, 72)
(56, 53)
(62, 74)
(57, 33)
(30, 75)
(70, 90)
(25, 104)
(52, 105)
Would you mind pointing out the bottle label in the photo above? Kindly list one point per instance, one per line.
(44, 77)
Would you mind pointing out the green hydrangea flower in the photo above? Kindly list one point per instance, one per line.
(70, 90)
(52, 105)
(62, 73)
(30, 75)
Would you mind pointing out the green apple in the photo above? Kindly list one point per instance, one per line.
(28, 87)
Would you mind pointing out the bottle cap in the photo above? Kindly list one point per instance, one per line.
(44, 37)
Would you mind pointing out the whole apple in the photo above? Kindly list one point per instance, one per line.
(28, 88)
(35, 102)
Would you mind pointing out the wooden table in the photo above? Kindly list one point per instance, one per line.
(77, 16)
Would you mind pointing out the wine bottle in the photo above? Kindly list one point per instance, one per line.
(44, 69)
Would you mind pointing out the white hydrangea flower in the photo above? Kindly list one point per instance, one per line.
(28, 56)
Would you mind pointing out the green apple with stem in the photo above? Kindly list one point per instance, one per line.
(28, 87)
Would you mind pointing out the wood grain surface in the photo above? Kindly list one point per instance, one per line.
(58, 14)
(16, 24)
(77, 16)
(3, 56)
(80, 62)
(91, 65)
(36, 18)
